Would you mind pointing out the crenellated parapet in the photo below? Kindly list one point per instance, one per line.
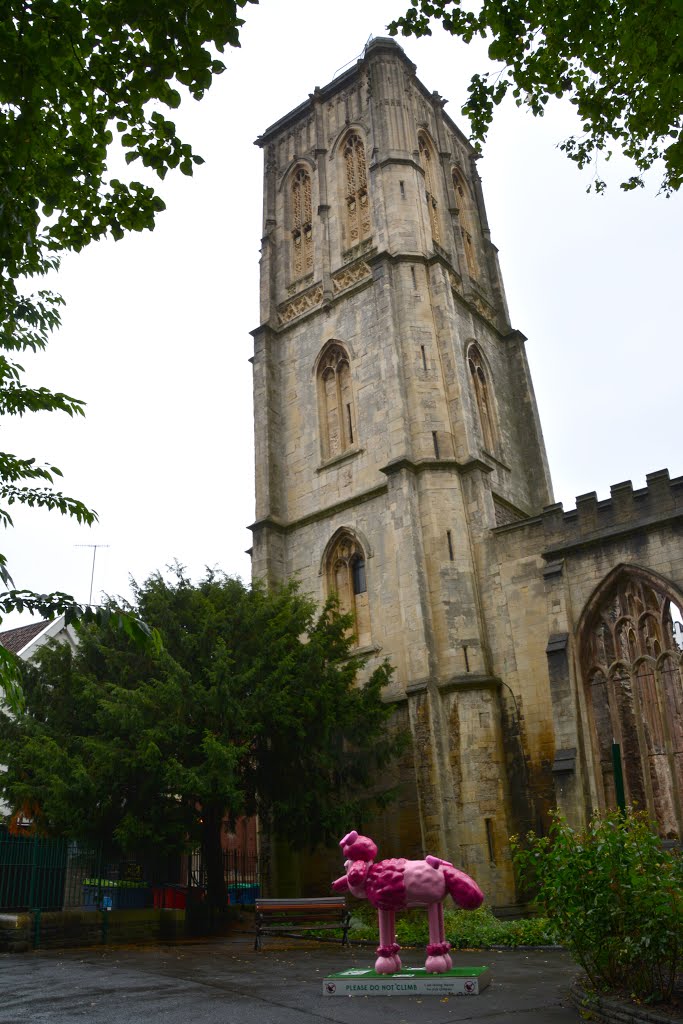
(625, 512)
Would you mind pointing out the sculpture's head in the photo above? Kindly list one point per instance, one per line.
(355, 847)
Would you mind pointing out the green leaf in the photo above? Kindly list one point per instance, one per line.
(618, 64)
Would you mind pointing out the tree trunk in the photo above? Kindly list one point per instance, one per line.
(217, 894)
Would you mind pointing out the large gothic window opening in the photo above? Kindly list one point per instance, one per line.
(356, 185)
(482, 396)
(345, 571)
(631, 665)
(335, 403)
(428, 162)
(467, 222)
(302, 224)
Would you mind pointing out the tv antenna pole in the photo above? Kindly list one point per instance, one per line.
(94, 554)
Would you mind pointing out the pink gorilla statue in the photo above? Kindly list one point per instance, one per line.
(396, 884)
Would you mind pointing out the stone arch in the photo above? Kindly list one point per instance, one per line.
(649, 578)
(344, 568)
(336, 404)
(346, 345)
(480, 385)
(350, 531)
(628, 618)
(359, 126)
(296, 161)
(430, 165)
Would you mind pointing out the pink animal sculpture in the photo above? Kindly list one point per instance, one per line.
(396, 884)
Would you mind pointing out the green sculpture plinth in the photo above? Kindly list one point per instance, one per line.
(411, 981)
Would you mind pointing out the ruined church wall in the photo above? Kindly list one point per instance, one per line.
(541, 576)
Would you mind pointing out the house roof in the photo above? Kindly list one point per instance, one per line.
(15, 640)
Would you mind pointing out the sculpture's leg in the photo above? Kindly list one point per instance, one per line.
(387, 949)
(442, 934)
(438, 961)
(394, 944)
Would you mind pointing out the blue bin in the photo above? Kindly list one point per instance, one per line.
(244, 892)
(122, 897)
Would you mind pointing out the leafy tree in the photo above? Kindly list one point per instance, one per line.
(620, 63)
(79, 79)
(251, 707)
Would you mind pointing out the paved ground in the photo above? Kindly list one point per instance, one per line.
(225, 982)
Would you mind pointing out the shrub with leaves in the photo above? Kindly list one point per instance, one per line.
(615, 896)
(465, 929)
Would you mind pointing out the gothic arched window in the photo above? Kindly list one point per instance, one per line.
(482, 397)
(632, 667)
(428, 161)
(302, 224)
(466, 217)
(335, 402)
(345, 572)
(356, 191)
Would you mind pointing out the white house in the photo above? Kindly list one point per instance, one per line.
(26, 641)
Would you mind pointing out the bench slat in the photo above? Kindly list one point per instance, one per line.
(282, 916)
(324, 901)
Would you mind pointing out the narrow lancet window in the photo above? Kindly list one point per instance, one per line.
(428, 166)
(347, 578)
(467, 220)
(482, 397)
(335, 402)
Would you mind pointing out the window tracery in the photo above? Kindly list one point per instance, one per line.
(335, 401)
(356, 187)
(302, 224)
(467, 223)
(346, 576)
(482, 396)
(632, 667)
(428, 166)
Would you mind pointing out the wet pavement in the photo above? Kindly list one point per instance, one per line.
(225, 982)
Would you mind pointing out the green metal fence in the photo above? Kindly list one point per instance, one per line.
(37, 873)
(44, 874)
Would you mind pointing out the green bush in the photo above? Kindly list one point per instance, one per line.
(480, 929)
(616, 898)
(465, 929)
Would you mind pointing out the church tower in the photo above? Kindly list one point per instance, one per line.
(396, 427)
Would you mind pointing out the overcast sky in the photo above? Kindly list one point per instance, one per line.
(155, 334)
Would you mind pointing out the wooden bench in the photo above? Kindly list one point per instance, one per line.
(291, 917)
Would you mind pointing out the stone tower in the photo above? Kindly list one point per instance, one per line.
(396, 427)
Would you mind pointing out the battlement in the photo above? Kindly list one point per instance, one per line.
(592, 521)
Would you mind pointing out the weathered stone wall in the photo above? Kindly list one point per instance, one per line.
(543, 574)
(15, 933)
(73, 928)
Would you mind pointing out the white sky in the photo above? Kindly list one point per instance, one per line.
(155, 334)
